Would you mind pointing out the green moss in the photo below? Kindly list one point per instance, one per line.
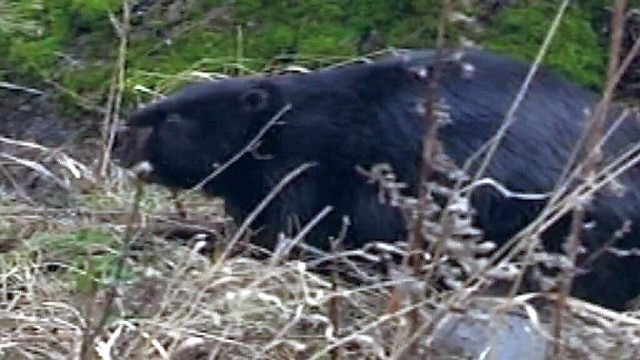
(73, 46)
(574, 51)
(92, 9)
(37, 56)
(76, 44)
(91, 253)
(5, 46)
(152, 63)
(91, 81)
(331, 40)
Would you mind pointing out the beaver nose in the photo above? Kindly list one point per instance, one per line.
(129, 146)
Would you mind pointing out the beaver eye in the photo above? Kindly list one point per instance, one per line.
(255, 99)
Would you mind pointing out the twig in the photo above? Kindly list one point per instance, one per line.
(92, 334)
(430, 151)
(259, 208)
(596, 132)
(286, 247)
(335, 314)
(39, 168)
(10, 86)
(510, 118)
(247, 149)
(110, 124)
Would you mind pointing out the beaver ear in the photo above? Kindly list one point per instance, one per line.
(148, 115)
(255, 99)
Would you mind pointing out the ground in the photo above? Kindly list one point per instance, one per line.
(64, 248)
(64, 243)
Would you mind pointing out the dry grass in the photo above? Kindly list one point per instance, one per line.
(172, 302)
(98, 274)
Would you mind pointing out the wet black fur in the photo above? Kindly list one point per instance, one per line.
(364, 114)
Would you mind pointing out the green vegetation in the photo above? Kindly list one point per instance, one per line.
(74, 44)
(574, 50)
(89, 255)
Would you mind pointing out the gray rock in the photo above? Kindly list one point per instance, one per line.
(473, 335)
